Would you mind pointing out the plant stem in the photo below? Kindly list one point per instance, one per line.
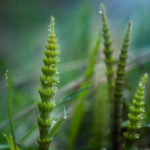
(10, 111)
(47, 91)
(118, 92)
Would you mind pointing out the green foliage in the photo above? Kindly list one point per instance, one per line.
(96, 112)
(118, 90)
(78, 112)
(101, 120)
(93, 58)
(135, 116)
(56, 127)
(108, 50)
(77, 117)
(48, 81)
(11, 141)
(72, 95)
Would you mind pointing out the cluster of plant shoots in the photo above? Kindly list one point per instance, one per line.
(115, 84)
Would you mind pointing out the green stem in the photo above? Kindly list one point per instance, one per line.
(118, 92)
(135, 116)
(47, 91)
(10, 111)
(108, 51)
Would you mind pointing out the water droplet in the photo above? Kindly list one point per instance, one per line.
(49, 29)
(6, 77)
(65, 117)
(65, 113)
(54, 122)
(100, 12)
(52, 65)
(140, 83)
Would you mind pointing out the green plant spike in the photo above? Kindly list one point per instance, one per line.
(108, 50)
(118, 91)
(47, 91)
(136, 112)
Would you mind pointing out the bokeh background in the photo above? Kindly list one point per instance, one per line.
(24, 30)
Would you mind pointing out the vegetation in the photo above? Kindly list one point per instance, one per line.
(118, 91)
(94, 112)
(135, 115)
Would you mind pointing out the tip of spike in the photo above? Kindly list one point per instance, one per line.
(130, 23)
(52, 19)
(102, 8)
(144, 79)
(52, 23)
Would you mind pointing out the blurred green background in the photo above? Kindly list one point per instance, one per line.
(24, 30)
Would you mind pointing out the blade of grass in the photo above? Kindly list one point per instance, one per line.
(77, 117)
(10, 112)
(57, 125)
(33, 107)
(73, 95)
(79, 109)
(11, 143)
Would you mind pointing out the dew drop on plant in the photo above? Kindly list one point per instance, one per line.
(65, 113)
(54, 122)
(100, 12)
(140, 83)
(49, 29)
(6, 75)
(52, 65)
